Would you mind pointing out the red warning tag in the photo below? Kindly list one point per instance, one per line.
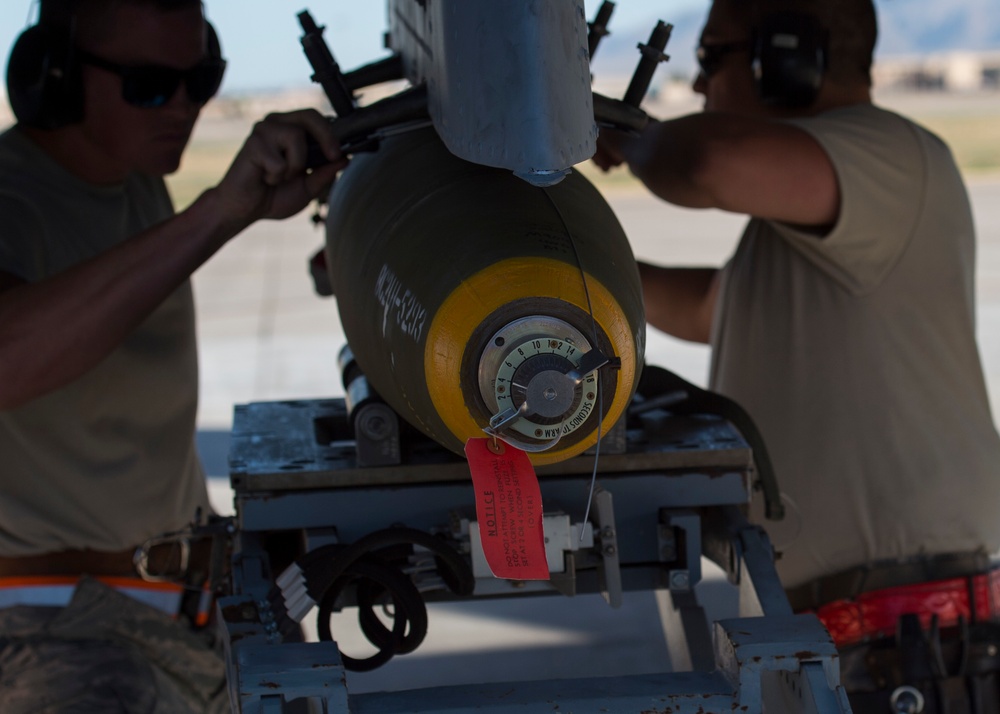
(509, 509)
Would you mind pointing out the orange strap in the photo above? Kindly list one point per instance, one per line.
(57, 591)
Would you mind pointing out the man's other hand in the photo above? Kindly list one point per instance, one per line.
(609, 151)
(268, 178)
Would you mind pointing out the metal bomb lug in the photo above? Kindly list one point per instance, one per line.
(461, 292)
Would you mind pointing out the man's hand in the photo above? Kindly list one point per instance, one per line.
(609, 151)
(268, 178)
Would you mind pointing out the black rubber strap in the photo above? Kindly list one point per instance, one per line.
(656, 381)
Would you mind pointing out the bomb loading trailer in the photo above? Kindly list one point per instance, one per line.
(484, 286)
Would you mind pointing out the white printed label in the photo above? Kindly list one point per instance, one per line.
(400, 306)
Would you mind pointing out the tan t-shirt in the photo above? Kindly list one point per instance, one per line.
(856, 356)
(108, 460)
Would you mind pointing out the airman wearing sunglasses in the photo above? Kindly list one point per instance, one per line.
(844, 323)
(98, 369)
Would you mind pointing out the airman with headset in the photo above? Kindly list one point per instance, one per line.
(844, 324)
(98, 364)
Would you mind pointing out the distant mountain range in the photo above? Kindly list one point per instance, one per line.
(906, 27)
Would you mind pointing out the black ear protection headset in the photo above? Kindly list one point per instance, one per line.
(789, 58)
(44, 83)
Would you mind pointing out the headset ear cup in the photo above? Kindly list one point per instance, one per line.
(789, 59)
(213, 42)
(43, 83)
(26, 70)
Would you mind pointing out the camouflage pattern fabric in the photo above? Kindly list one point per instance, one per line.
(107, 653)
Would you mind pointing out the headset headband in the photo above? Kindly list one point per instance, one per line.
(55, 12)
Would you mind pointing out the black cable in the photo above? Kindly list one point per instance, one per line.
(376, 562)
(371, 594)
(409, 613)
(321, 575)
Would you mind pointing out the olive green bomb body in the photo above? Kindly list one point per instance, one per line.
(458, 283)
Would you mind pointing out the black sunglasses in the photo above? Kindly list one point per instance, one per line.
(710, 56)
(151, 86)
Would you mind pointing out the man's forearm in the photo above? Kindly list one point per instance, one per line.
(757, 167)
(54, 331)
(680, 301)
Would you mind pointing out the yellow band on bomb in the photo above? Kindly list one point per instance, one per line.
(476, 298)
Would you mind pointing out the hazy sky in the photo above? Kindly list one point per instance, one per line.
(260, 38)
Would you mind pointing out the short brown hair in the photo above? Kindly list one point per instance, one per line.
(91, 16)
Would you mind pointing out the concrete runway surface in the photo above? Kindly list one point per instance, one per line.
(265, 336)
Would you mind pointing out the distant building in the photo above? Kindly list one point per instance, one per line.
(955, 71)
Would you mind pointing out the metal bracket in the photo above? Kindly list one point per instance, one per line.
(609, 571)
(680, 535)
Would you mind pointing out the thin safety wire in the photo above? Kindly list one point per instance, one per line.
(594, 345)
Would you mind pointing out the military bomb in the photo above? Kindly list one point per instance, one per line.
(477, 303)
